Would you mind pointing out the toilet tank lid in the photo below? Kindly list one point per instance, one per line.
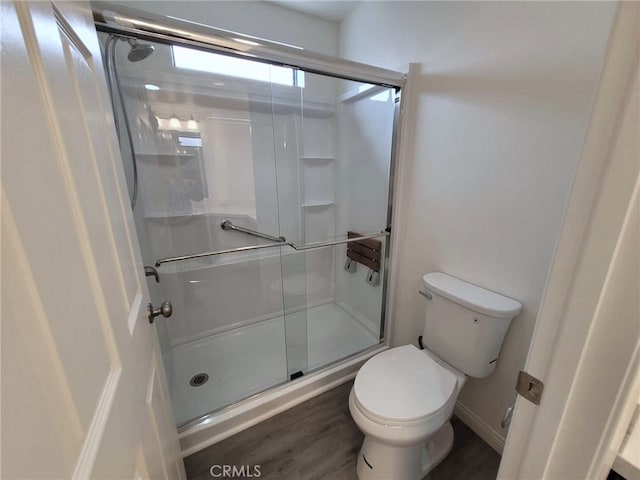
(471, 296)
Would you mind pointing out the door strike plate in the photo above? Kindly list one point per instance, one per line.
(530, 387)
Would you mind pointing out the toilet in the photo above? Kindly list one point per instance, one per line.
(402, 399)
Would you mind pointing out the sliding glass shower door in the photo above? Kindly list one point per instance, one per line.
(250, 177)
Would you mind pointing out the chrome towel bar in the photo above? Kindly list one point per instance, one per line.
(309, 246)
(279, 243)
(218, 252)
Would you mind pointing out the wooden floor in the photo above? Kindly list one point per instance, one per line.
(318, 440)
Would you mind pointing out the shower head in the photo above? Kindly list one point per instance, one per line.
(139, 51)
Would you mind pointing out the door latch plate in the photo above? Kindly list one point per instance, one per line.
(530, 387)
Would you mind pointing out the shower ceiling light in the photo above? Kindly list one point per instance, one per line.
(152, 87)
(174, 123)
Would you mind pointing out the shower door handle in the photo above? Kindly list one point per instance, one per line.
(166, 309)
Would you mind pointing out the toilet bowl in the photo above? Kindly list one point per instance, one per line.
(402, 399)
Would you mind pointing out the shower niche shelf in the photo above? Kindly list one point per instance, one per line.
(186, 216)
(318, 199)
(318, 204)
(317, 158)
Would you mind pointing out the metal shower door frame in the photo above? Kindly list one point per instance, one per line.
(129, 22)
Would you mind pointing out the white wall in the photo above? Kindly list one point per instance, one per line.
(260, 19)
(501, 101)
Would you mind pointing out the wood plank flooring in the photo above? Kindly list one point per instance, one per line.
(318, 440)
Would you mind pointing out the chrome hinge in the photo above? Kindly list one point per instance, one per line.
(530, 387)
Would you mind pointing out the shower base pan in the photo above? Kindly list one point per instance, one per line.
(213, 373)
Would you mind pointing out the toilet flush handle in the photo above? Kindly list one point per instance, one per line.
(425, 294)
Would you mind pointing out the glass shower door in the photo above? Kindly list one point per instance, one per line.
(333, 164)
(302, 159)
(287, 102)
(203, 143)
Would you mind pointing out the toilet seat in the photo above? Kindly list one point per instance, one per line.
(403, 385)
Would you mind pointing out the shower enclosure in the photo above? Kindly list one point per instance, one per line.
(261, 193)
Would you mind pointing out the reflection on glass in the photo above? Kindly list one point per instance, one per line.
(235, 67)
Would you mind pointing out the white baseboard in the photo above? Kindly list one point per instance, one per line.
(480, 427)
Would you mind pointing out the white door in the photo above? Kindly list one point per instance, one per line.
(586, 346)
(84, 393)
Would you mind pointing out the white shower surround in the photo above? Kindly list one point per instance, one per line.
(310, 172)
(329, 164)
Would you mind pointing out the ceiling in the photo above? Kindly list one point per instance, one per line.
(332, 10)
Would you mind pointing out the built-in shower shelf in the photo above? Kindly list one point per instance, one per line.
(164, 158)
(317, 204)
(175, 215)
(317, 158)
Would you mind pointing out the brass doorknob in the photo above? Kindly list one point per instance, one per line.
(166, 309)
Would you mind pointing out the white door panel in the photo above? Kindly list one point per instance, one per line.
(585, 345)
(42, 400)
(79, 355)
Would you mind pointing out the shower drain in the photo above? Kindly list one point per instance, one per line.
(199, 379)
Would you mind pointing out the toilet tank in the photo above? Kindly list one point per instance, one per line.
(466, 324)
